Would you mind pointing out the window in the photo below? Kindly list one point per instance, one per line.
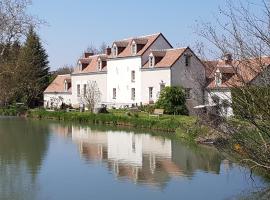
(187, 60)
(218, 78)
(162, 86)
(151, 61)
(133, 49)
(84, 90)
(114, 50)
(133, 76)
(188, 93)
(114, 93)
(150, 93)
(99, 65)
(133, 93)
(80, 66)
(78, 90)
(66, 86)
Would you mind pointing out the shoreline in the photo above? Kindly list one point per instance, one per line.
(181, 127)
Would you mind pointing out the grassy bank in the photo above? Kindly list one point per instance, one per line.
(12, 111)
(165, 123)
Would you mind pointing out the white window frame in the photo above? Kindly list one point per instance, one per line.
(133, 75)
(66, 86)
(78, 90)
(114, 93)
(133, 93)
(150, 93)
(151, 61)
(133, 49)
(115, 50)
(80, 65)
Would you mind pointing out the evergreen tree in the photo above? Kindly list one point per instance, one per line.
(34, 70)
(8, 73)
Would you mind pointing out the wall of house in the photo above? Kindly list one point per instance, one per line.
(222, 94)
(101, 80)
(55, 100)
(153, 78)
(160, 43)
(263, 79)
(119, 77)
(193, 77)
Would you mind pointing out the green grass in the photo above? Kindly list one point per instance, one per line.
(165, 123)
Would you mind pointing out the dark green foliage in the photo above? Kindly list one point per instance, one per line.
(13, 110)
(147, 108)
(8, 73)
(24, 72)
(33, 70)
(172, 100)
(168, 124)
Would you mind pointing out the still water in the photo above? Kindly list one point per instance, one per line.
(48, 160)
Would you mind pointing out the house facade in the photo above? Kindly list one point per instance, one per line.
(225, 75)
(132, 72)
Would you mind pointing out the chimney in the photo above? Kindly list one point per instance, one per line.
(87, 54)
(108, 51)
(228, 59)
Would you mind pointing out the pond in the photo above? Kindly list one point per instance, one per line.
(50, 160)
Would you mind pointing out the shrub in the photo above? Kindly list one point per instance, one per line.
(147, 108)
(172, 100)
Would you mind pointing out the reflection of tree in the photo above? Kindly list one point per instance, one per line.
(23, 145)
(195, 158)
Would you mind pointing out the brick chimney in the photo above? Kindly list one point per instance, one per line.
(108, 51)
(228, 59)
(87, 54)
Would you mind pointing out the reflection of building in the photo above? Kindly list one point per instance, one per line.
(143, 158)
(125, 148)
(61, 130)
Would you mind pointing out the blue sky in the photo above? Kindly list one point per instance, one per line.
(74, 24)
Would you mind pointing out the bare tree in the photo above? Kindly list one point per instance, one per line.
(91, 95)
(96, 50)
(242, 29)
(14, 21)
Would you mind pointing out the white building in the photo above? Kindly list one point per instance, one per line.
(133, 72)
(224, 75)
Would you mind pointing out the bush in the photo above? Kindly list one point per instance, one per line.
(172, 100)
(147, 108)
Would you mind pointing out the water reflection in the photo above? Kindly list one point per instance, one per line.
(23, 146)
(79, 162)
(142, 158)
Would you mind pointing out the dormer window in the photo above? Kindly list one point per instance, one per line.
(187, 60)
(218, 78)
(80, 65)
(99, 65)
(133, 48)
(66, 86)
(151, 61)
(115, 50)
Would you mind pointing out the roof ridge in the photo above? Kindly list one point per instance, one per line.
(137, 37)
(171, 49)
